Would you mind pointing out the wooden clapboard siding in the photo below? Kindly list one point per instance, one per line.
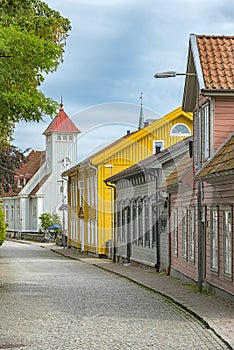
(223, 121)
(121, 154)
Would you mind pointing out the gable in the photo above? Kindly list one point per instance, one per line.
(126, 149)
(210, 58)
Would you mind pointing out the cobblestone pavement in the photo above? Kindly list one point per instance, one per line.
(50, 302)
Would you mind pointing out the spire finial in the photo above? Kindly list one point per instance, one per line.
(141, 117)
(141, 97)
(61, 103)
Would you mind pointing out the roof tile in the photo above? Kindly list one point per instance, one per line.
(33, 162)
(222, 161)
(217, 61)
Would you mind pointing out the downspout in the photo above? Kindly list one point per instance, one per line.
(167, 200)
(157, 265)
(96, 200)
(114, 223)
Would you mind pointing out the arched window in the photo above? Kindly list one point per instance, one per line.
(180, 130)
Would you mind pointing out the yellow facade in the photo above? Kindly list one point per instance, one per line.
(90, 200)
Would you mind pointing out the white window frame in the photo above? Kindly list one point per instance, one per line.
(176, 134)
(214, 239)
(206, 130)
(184, 234)
(227, 241)
(191, 218)
(175, 232)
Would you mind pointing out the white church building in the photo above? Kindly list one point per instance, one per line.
(38, 181)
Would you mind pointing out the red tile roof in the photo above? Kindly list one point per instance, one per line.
(221, 164)
(33, 162)
(217, 61)
(61, 123)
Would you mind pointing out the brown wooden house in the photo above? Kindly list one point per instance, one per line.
(201, 191)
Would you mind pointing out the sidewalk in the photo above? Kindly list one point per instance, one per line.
(217, 313)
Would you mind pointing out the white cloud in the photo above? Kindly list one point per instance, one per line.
(116, 47)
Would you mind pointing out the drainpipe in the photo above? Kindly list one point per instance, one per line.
(96, 200)
(166, 200)
(114, 223)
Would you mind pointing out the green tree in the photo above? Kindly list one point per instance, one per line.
(46, 221)
(32, 40)
(55, 219)
(2, 225)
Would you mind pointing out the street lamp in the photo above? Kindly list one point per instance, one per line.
(173, 74)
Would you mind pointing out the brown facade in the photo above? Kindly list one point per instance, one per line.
(218, 270)
(201, 216)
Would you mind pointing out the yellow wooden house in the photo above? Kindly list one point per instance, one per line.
(90, 200)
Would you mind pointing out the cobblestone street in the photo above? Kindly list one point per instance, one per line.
(51, 302)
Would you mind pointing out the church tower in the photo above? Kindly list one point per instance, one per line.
(61, 144)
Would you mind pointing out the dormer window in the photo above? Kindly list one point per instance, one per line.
(180, 130)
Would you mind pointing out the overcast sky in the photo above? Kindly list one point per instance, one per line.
(113, 51)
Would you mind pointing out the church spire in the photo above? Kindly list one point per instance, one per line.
(141, 117)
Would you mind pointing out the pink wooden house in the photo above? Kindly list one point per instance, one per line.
(201, 188)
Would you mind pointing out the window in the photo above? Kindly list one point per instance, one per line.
(7, 213)
(12, 212)
(227, 237)
(119, 224)
(146, 224)
(154, 224)
(158, 146)
(180, 130)
(81, 192)
(175, 232)
(64, 137)
(124, 222)
(191, 235)
(214, 239)
(140, 242)
(93, 190)
(59, 137)
(184, 234)
(65, 162)
(206, 131)
(134, 224)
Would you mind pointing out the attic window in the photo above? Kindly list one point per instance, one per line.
(180, 130)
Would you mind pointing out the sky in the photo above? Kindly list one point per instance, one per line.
(112, 53)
